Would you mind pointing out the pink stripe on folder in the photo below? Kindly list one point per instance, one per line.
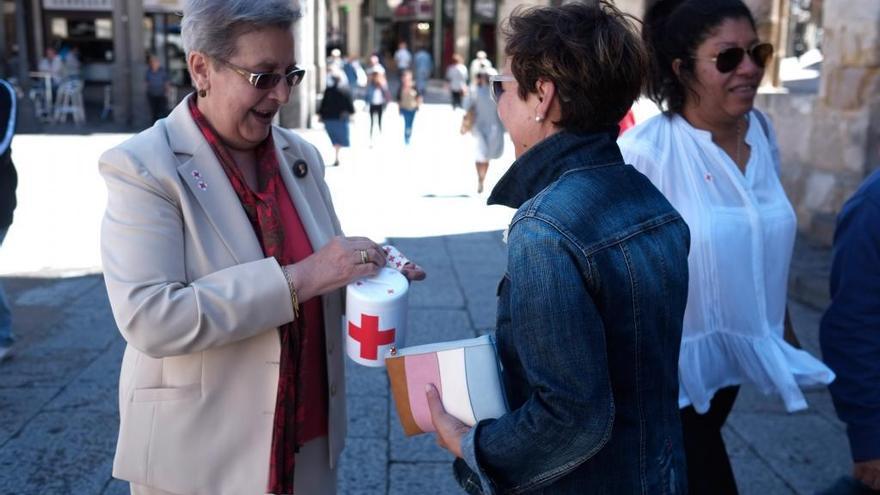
(421, 370)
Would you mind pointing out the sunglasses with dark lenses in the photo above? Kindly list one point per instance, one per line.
(729, 59)
(496, 86)
(268, 80)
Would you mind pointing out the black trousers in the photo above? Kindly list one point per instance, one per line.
(158, 106)
(376, 112)
(456, 99)
(708, 465)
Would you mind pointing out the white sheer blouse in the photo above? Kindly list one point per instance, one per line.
(742, 235)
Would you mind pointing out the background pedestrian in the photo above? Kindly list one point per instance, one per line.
(336, 110)
(423, 64)
(8, 184)
(157, 86)
(457, 80)
(377, 97)
(487, 129)
(409, 98)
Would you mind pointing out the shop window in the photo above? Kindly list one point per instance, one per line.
(104, 29)
(58, 27)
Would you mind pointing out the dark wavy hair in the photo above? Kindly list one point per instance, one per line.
(590, 50)
(673, 29)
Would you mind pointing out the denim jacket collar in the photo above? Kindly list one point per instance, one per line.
(549, 159)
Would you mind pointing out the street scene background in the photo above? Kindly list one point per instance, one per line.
(58, 394)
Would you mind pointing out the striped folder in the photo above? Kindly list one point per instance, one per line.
(465, 372)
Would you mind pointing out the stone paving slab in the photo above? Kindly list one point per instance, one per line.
(367, 416)
(422, 478)
(363, 469)
(752, 474)
(800, 448)
(60, 452)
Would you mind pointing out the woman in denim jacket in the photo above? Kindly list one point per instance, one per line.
(590, 309)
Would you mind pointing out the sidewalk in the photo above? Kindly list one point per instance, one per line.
(58, 397)
(58, 417)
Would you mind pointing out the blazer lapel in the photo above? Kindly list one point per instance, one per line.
(202, 173)
(297, 190)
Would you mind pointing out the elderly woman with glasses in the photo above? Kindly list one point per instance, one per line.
(590, 308)
(224, 263)
(715, 158)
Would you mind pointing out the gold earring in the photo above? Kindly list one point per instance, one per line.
(203, 93)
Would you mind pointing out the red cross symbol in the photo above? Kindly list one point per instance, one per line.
(369, 336)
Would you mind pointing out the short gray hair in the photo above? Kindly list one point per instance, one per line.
(213, 26)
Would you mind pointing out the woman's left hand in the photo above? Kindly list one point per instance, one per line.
(449, 429)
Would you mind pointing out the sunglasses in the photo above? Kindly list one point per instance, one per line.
(496, 86)
(729, 59)
(267, 80)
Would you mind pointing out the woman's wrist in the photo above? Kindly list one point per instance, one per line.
(298, 273)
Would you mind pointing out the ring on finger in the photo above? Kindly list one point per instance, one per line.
(364, 257)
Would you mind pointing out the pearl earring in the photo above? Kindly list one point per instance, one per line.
(538, 118)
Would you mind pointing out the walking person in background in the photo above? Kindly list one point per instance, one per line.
(423, 64)
(8, 184)
(53, 65)
(225, 267)
(457, 80)
(487, 128)
(375, 65)
(357, 77)
(72, 64)
(336, 110)
(850, 332)
(157, 86)
(480, 62)
(377, 97)
(402, 58)
(716, 159)
(590, 306)
(409, 99)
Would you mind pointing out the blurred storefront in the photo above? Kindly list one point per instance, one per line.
(112, 40)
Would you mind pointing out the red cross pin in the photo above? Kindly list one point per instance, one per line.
(369, 336)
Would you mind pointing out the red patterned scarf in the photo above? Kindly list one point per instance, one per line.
(264, 215)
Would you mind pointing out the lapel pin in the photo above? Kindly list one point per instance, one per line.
(202, 185)
(300, 168)
(196, 174)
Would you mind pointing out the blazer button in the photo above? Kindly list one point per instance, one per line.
(332, 390)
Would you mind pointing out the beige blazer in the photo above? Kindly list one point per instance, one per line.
(199, 305)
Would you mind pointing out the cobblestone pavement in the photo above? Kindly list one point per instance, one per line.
(58, 414)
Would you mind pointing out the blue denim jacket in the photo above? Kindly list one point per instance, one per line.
(589, 326)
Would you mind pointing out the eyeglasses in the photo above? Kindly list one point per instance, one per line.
(496, 86)
(267, 80)
(729, 59)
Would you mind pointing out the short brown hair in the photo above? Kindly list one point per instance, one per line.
(590, 50)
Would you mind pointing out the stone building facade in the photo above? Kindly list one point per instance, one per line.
(830, 141)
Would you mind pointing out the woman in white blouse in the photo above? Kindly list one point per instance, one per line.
(716, 160)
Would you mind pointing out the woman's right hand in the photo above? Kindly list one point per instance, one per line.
(335, 265)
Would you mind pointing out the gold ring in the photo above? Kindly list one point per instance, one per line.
(364, 257)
